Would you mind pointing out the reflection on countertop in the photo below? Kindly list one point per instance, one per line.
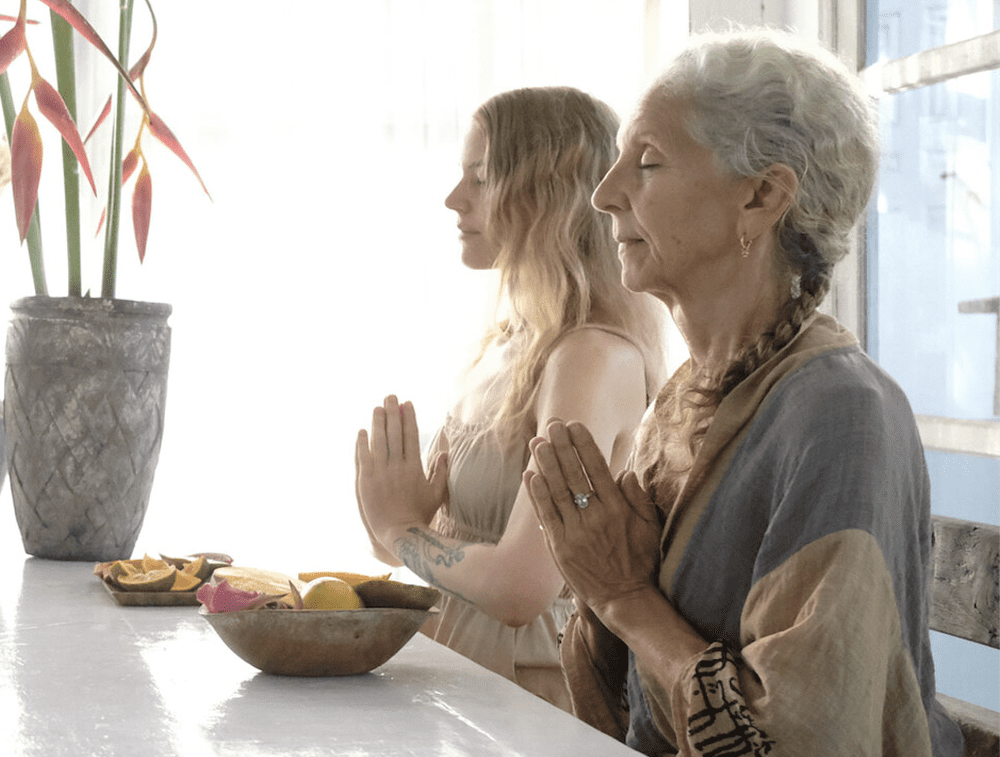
(158, 681)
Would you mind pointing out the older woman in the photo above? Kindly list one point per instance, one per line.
(568, 339)
(756, 581)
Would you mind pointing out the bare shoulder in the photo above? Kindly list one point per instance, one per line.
(597, 348)
(597, 378)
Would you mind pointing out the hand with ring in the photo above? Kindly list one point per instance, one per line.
(603, 534)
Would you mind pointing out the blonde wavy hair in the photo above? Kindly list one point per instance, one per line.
(547, 149)
(756, 97)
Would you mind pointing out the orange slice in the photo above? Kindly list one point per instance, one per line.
(159, 579)
(152, 563)
(196, 567)
(185, 581)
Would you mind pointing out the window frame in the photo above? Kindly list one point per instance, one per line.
(922, 69)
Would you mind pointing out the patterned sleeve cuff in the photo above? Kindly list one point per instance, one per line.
(719, 722)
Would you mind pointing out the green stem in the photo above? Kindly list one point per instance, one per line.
(110, 272)
(34, 237)
(62, 43)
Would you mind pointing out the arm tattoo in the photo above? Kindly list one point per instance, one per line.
(421, 551)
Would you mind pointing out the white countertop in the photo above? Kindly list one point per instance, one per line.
(82, 676)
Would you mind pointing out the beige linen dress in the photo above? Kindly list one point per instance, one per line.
(484, 478)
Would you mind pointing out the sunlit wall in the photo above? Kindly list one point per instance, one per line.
(324, 271)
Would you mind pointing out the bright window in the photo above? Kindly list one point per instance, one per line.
(934, 262)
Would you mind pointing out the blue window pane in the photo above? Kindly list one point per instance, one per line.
(966, 670)
(938, 245)
(964, 486)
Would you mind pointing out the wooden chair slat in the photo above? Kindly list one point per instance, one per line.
(980, 726)
(965, 592)
(965, 602)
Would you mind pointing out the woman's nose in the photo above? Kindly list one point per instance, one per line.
(455, 199)
(608, 196)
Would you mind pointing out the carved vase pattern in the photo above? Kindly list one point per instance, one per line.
(84, 400)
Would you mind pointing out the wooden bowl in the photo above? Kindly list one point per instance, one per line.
(317, 642)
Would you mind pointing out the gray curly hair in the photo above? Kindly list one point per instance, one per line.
(755, 98)
(762, 96)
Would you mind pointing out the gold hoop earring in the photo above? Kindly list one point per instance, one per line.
(745, 246)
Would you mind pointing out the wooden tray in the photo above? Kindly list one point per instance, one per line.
(152, 598)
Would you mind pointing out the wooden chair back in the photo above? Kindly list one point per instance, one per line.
(965, 602)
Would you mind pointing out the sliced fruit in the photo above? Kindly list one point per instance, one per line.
(195, 568)
(119, 569)
(153, 563)
(206, 563)
(352, 578)
(255, 579)
(103, 569)
(185, 581)
(330, 593)
(159, 579)
(222, 597)
(382, 593)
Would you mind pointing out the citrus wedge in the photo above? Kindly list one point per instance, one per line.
(152, 563)
(159, 579)
(195, 568)
(185, 581)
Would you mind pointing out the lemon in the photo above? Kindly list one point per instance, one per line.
(329, 593)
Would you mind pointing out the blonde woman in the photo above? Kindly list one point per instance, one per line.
(568, 340)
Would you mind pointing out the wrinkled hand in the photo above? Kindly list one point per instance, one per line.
(611, 549)
(392, 490)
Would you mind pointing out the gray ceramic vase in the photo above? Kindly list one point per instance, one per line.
(84, 400)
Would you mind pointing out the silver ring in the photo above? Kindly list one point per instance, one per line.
(582, 501)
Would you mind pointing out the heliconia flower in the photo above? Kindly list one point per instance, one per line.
(129, 164)
(140, 65)
(52, 106)
(142, 205)
(128, 168)
(74, 18)
(105, 112)
(26, 168)
(4, 162)
(13, 43)
(160, 130)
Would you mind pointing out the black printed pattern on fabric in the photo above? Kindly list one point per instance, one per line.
(723, 726)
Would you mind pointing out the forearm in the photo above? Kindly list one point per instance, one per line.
(662, 641)
(470, 571)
